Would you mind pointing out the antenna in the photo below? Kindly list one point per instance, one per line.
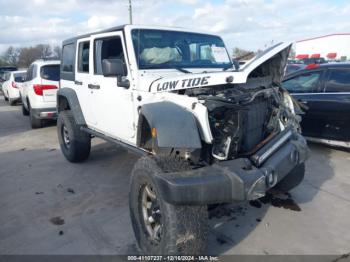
(130, 12)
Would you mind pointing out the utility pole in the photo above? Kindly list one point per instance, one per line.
(130, 12)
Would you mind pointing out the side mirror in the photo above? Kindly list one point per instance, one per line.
(115, 67)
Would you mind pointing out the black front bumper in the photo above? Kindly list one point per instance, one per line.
(238, 179)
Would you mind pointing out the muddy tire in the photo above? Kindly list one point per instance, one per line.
(75, 144)
(173, 229)
(292, 180)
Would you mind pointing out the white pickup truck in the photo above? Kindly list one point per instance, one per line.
(209, 132)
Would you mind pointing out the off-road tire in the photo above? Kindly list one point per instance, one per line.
(34, 121)
(25, 112)
(79, 146)
(184, 227)
(293, 179)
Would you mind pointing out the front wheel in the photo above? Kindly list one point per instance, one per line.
(75, 144)
(160, 227)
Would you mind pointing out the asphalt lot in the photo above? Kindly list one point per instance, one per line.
(50, 206)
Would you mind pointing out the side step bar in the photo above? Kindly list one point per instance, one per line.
(128, 147)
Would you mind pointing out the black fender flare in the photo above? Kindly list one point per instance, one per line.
(176, 127)
(73, 102)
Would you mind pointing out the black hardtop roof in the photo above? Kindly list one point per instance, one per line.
(112, 29)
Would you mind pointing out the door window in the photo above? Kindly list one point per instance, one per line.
(83, 57)
(107, 48)
(338, 81)
(304, 83)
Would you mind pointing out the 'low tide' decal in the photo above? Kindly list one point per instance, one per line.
(182, 84)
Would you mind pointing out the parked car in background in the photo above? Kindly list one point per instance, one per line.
(10, 85)
(312, 60)
(325, 90)
(290, 68)
(294, 61)
(3, 70)
(38, 92)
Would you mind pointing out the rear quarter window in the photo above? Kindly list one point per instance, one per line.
(50, 72)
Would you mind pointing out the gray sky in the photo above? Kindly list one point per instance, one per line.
(249, 24)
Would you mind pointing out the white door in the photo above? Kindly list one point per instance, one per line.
(83, 73)
(113, 104)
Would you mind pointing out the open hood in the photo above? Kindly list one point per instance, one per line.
(270, 62)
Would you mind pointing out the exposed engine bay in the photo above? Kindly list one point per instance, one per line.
(243, 117)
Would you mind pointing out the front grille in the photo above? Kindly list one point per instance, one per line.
(255, 117)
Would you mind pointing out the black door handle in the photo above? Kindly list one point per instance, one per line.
(78, 82)
(91, 86)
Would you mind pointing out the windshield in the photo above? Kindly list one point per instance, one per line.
(160, 49)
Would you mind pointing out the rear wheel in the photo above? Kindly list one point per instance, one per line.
(293, 179)
(75, 144)
(35, 122)
(160, 227)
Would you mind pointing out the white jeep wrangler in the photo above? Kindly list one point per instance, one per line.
(210, 132)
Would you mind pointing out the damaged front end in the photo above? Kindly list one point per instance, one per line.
(244, 118)
(256, 140)
(257, 143)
